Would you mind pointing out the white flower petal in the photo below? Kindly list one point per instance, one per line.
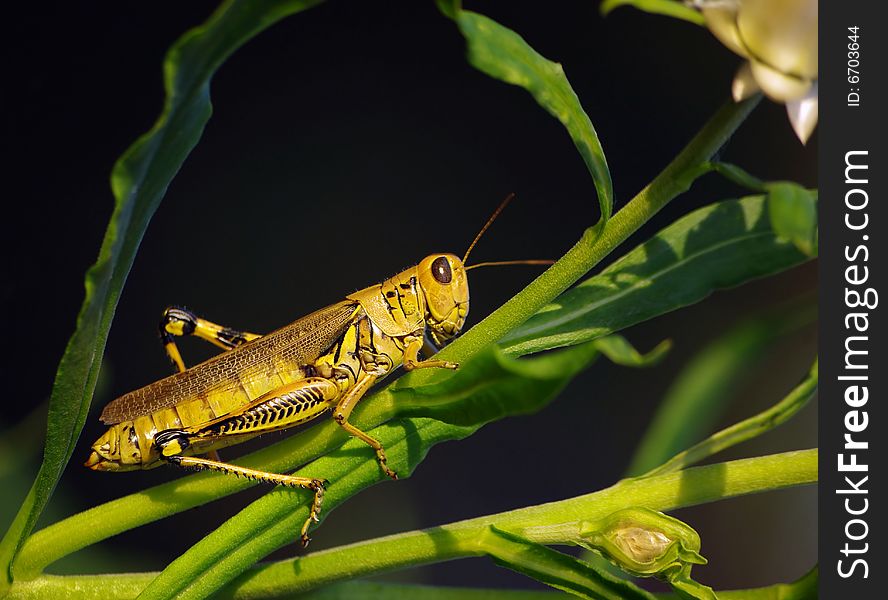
(721, 20)
(777, 85)
(781, 33)
(803, 114)
(744, 84)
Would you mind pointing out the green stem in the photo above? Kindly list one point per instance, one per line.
(104, 587)
(667, 492)
(541, 524)
(744, 430)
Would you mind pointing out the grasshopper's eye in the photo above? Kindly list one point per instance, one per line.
(441, 270)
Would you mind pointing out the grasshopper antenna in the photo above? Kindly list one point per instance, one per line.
(499, 263)
(490, 221)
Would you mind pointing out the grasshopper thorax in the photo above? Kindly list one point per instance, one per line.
(442, 278)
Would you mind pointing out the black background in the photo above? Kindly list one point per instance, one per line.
(374, 106)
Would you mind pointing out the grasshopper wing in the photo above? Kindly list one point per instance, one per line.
(296, 344)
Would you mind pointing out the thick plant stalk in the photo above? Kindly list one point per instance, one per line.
(546, 523)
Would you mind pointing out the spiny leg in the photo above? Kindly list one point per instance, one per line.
(280, 408)
(293, 481)
(178, 321)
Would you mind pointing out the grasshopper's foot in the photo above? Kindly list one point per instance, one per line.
(319, 486)
(410, 365)
(382, 460)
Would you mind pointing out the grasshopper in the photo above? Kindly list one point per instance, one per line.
(324, 361)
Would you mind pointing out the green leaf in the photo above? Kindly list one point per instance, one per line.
(793, 208)
(718, 246)
(621, 352)
(488, 386)
(491, 386)
(793, 211)
(805, 588)
(503, 54)
(669, 8)
(139, 180)
(555, 569)
(739, 176)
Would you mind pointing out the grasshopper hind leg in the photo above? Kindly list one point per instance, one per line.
(171, 441)
(179, 322)
(318, 486)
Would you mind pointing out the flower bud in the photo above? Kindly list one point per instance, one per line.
(643, 541)
(640, 541)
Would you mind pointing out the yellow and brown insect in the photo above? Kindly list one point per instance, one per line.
(326, 360)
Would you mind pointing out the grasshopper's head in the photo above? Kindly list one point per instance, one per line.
(443, 280)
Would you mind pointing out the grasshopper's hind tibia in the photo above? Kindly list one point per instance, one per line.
(177, 321)
(309, 483)
(282, 407)
(173, 442)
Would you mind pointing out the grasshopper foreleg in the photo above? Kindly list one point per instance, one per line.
(412, 345)
(180, 322)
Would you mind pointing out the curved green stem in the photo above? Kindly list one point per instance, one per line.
(667, 492)
(546, 523)
(746, 429)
